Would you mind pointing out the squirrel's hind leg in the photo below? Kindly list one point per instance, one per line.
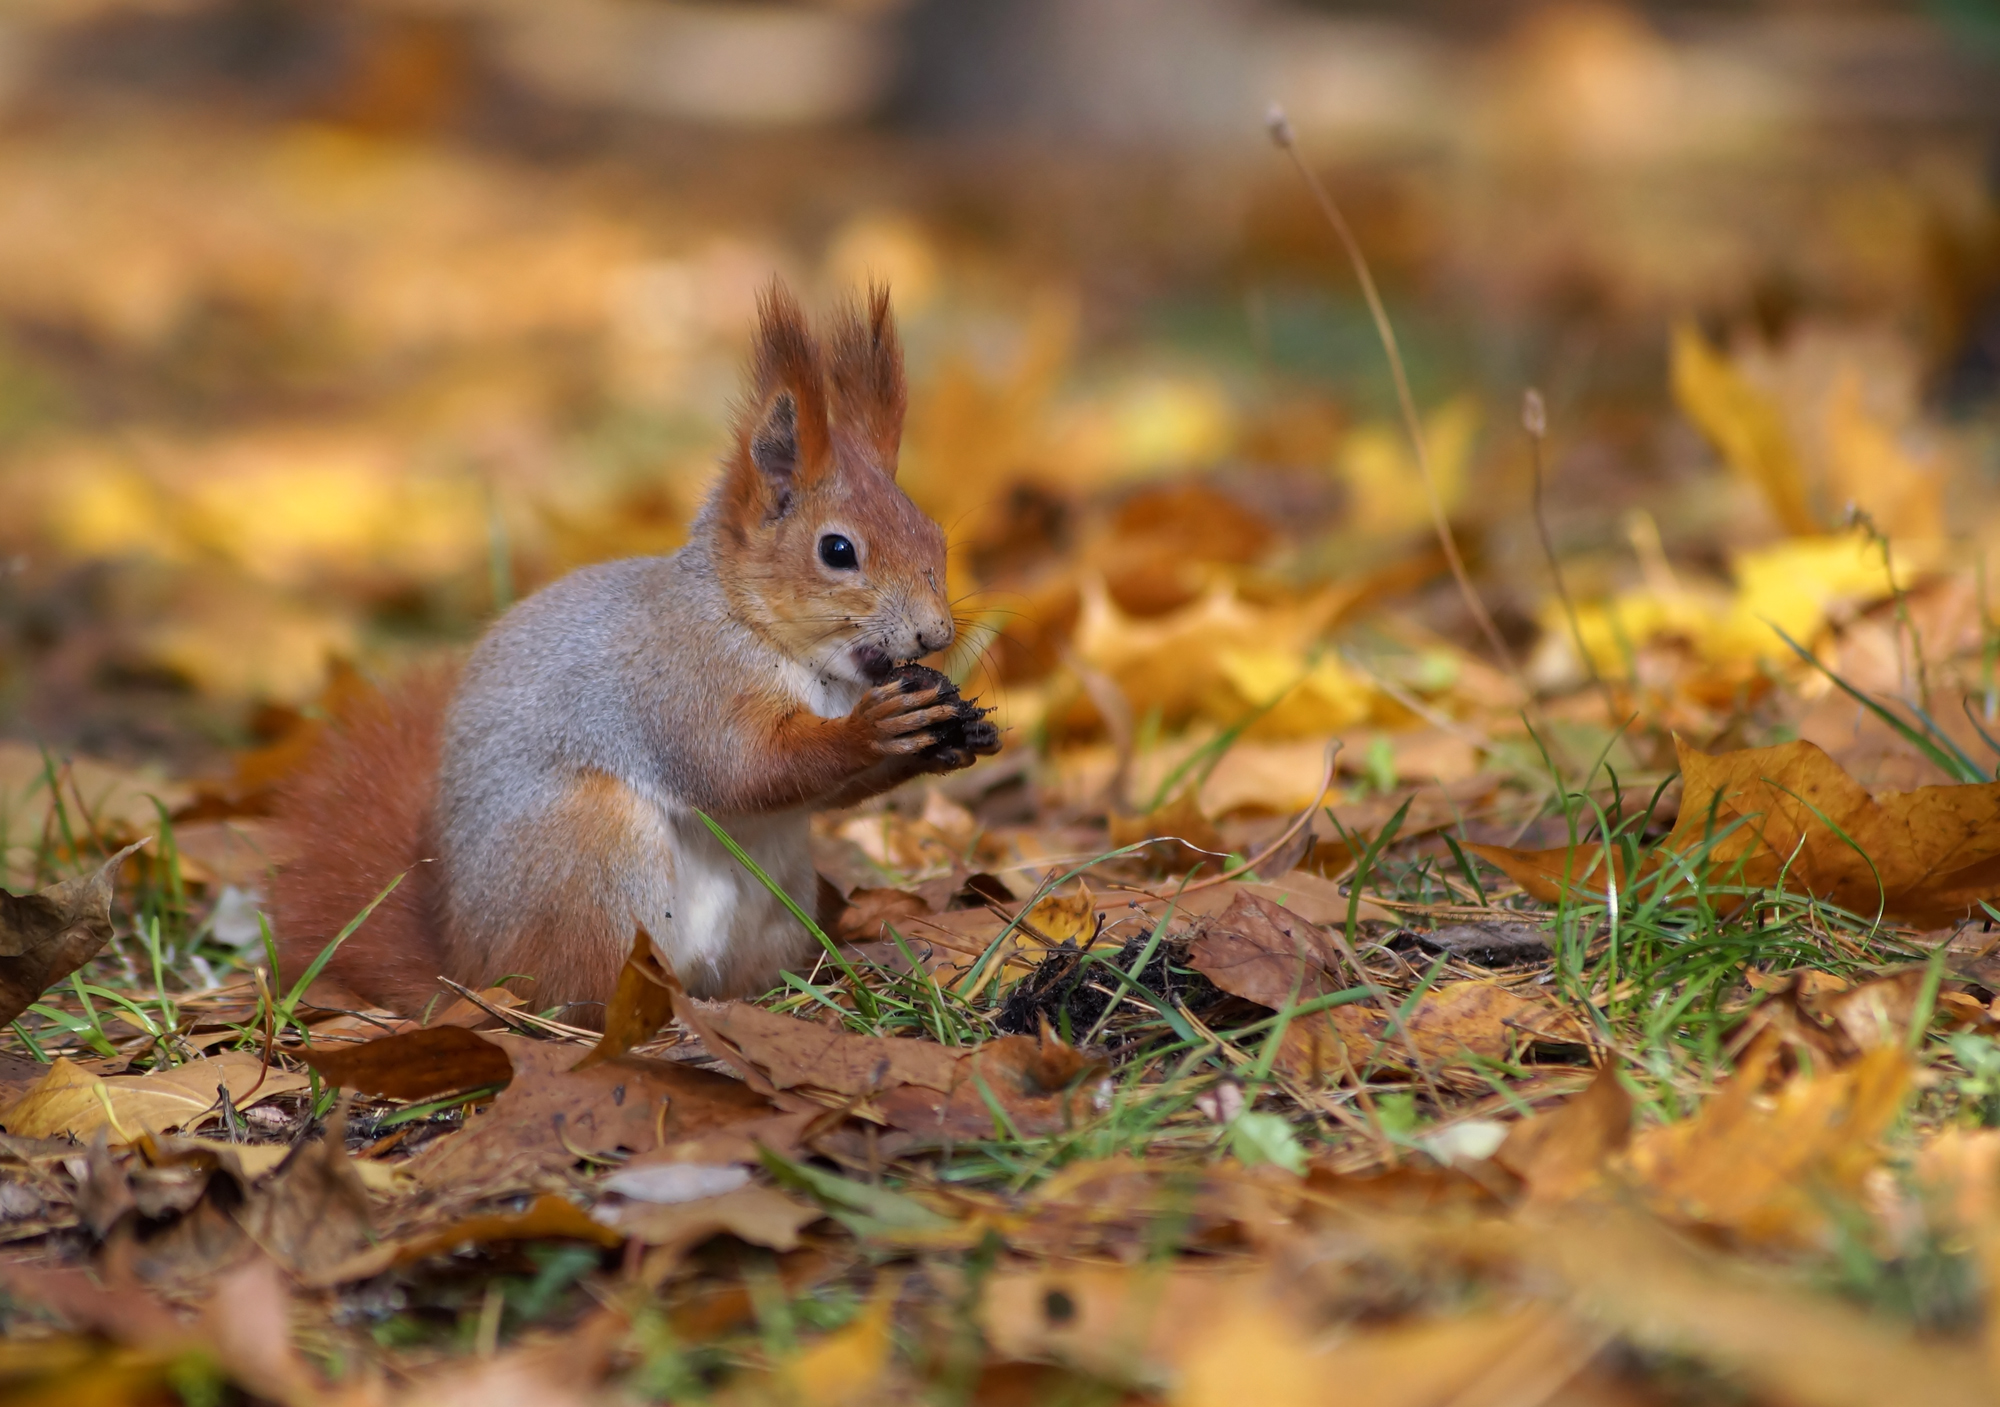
(551, 905)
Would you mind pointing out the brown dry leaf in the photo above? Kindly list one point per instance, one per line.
(1180, 819)
(1040, 1085)
(1267, 954)
(247, 1323)
(71, 1100)
(46, 936)
(313, 1214)
(641, 1004)
(867, 910)
(419, 1064)
(761, 1215)
(1660, 1291)
(786, 1052)
(1925, 857)
(1763, 1168)
(548, 1217)
(550, 1115)
(115, 801)
(1561, 1154)
(1451, 1024)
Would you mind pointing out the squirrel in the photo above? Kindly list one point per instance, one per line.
(542, 804)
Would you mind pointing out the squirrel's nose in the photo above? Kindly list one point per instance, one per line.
(931, 639)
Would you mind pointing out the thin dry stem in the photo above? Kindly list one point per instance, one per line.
(1281, 132)
(1535, 420)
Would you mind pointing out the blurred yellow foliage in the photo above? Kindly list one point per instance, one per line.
(1744, 424)
(1793, 586)
(1312, 697)
(1387, 492)
(1221, 657)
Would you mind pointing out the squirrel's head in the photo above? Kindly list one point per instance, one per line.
(816, 546)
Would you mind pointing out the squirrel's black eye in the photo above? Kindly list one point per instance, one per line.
(837, 552)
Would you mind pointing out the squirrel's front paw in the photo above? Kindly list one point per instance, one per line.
(905, 716)
(964, 735)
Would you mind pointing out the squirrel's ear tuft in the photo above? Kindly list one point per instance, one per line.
(865, 372)
(781, 434)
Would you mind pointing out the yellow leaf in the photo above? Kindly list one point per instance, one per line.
(847, 1365)
(1745, 426)
(69, 1099)
(1064, 918)
(1868, 467)
(1386, 488)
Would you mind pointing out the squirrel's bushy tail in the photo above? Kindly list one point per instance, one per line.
(356, 815)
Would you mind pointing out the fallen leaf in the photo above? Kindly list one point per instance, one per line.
(1452, 1024)
(71, 1100)
(547, 1218)
(1263, 953)
(1126, 1325)
(1632, 1275)
(550, 1114)
(1765, 1168)
(868, 910)
(1066, 918)
(313, 1213)
(1791, 814)
(844, 1368)
(760, 1215)
(1745, 424)
(641, 1003)
(1036, 1086)
(1562, 1153)
(46, 936)
(1250, 1351)
(412, 1065)
(788, 1052)
(247, 1322)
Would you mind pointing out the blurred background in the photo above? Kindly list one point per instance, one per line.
(327, 329)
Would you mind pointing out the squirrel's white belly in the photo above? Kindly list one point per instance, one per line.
(727, 929)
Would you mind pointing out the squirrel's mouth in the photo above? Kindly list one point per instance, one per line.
(874, 662)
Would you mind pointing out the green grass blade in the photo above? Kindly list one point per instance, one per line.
(1959, 769)
(325, 954)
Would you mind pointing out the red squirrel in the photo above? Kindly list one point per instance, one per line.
(541, 805)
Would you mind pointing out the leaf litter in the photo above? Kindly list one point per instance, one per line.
(1615, 1024)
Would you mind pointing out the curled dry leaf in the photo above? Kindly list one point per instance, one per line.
(760, 1215)
(641, 1003)
(47, 935)
(1790, 813)
(546, 1218)
(71, 1100)
(1267, 954)
(313, 1213)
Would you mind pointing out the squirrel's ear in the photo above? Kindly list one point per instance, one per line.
(865, 372)
(782, 438)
